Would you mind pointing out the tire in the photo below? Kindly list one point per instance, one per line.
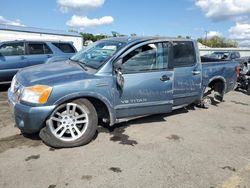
(70, 125)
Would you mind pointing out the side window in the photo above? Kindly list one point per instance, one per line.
(47, 50)
(143, 59)
(35, 48)
(12, 49)
(238, 55)
(183, 53)
(65, 47)
(233, 55)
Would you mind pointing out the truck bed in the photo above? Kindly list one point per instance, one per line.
(219, 69)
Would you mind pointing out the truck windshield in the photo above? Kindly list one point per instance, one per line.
(95, 55)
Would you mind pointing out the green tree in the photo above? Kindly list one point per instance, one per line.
(218, 42)
(89, 36)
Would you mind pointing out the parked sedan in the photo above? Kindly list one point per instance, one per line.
(15, 55)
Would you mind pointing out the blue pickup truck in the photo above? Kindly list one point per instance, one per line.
(18, 54)
(114, 80)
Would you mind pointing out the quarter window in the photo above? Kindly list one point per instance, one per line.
(65, 47)
(12, 49)
(144, 58)
(183, 53)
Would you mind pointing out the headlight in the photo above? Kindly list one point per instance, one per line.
(13, 83)
(38, 94)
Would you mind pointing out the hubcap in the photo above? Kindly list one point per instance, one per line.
(69, 122)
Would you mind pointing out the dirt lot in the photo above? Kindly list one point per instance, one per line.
(187, 148)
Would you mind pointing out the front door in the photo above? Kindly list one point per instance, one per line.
(148, 84)
(12, 58)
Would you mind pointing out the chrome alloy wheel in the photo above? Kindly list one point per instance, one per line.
(69, 122)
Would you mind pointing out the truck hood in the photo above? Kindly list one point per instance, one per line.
(52, 74)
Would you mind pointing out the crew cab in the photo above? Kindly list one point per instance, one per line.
(114, 80)
(18, 54)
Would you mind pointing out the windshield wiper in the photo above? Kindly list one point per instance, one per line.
(81, 64)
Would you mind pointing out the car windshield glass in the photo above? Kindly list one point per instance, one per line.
(95, 55)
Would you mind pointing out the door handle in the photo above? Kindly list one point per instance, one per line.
(165, 78)
(195, 72)
(49, 56)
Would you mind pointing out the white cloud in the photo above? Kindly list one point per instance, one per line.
(84, 22)
(81, 6)
(244, 43)
(240, 31)
(224, 9)
(211, 34)
(10, 22)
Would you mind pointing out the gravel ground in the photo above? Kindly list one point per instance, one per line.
(187, 148)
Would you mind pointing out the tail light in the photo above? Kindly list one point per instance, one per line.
(237, 70)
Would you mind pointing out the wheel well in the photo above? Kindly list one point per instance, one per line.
(217, 85)
(100, 107)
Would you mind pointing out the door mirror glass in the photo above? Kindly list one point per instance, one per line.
(118, 65)
(118, 71)
(119, 79)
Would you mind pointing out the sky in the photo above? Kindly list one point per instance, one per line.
(195, 18)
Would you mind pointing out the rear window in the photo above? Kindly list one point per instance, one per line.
(65, 47)
(38, 48)
(183, 53)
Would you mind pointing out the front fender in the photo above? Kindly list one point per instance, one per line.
(77, 95)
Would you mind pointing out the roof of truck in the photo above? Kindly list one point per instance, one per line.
(127, 39)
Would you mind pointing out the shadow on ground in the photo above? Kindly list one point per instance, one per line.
(117, 131)
(19, 140)
(4, 87)
(241, 91)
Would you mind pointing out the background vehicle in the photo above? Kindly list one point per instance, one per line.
(15, 55)
(224, 55)
(244, 76)
(114, 80)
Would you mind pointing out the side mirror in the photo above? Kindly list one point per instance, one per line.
(118, 65)
(118, 71)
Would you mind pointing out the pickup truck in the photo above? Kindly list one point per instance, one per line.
(114, 80)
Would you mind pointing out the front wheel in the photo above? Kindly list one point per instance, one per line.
(71, 124)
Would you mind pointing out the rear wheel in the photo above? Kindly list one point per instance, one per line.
(70, 125)
(210, 97)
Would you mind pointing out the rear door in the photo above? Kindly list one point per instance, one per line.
(12, 58)
(148, 84)
(38, 53)
(187, 73)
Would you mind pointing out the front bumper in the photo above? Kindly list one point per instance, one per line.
(29, 119)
